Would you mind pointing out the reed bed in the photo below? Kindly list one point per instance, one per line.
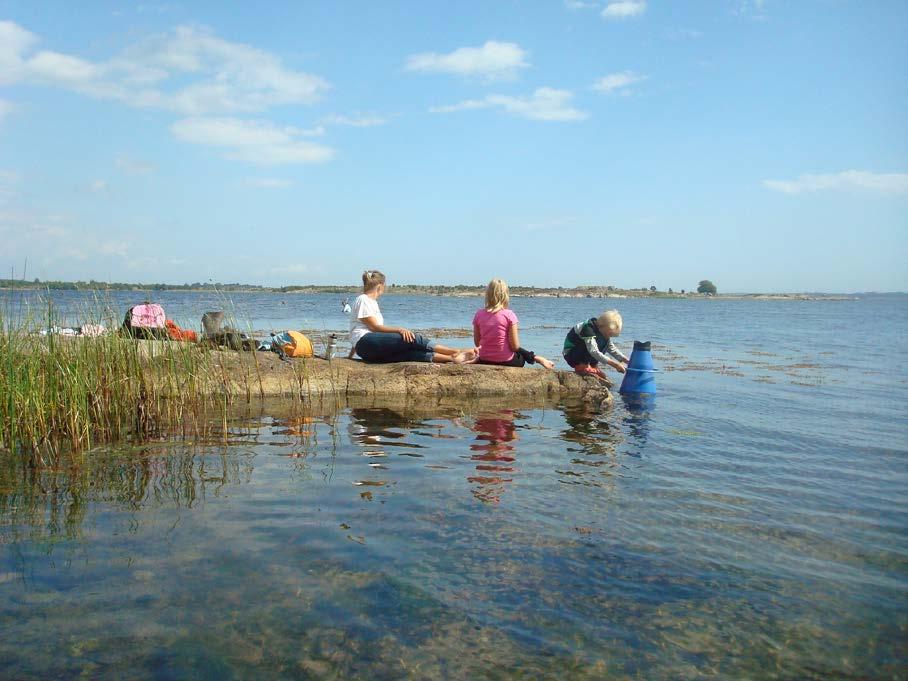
(59, 392)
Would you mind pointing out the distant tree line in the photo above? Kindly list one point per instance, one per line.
(705, 286)
(93, 285)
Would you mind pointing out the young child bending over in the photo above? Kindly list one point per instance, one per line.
(495, 332)
(589, 343)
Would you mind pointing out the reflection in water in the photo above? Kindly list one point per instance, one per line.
(639, 409)
(378, 428)
(495, 454)
(639, 404)
(593, 443)
(394, 543)
(380, 432)
(54, 501)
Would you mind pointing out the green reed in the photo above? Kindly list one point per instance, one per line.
(67, 394)
(73, 392)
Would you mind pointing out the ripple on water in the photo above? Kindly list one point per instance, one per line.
(729, 529)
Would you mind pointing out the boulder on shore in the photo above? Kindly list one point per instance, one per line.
(266, 375)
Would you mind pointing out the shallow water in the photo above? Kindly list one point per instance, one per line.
(751, 521)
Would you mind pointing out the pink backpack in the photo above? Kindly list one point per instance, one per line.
(146, 316)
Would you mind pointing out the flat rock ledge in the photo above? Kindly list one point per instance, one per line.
(266, 375)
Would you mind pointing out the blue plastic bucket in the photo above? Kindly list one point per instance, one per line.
(640, 376)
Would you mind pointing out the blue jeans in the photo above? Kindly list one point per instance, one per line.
(384, 348)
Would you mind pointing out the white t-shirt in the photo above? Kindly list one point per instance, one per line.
(363, 306)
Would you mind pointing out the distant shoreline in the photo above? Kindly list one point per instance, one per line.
(460, 291)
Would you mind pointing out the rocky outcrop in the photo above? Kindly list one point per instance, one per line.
(266, 375)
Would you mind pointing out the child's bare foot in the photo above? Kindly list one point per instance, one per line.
(466, 357)
(547, 363)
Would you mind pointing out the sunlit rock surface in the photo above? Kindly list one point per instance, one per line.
(266, 375)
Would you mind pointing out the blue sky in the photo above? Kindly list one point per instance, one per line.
(760, 144)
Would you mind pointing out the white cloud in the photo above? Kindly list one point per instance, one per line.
(494, 60)
(545, 104)
(187, 70)
(297, 268)
(63, 69)
(578, 4)
(114, 247)
(624, 9)
(551, 223)
(268, 182)
(888, 183)
(14, 40)
(8, 181)
(617, 82)
(50, 238)
(465, 105)
(749, 7)
(254, 141)
(360, 121)
(134, 166)
(159, 8)
(23, 231)
(98, 187)
(683, 33)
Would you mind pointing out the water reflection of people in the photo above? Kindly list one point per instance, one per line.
(638, 412)
(587, 427)
(495, 455)
(593, 445)
(375, 429)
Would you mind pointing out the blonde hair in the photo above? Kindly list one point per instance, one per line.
(497, 296)
(611, 319)
(372, 279)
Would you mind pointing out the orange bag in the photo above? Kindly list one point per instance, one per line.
(176, 333)
(294, 344)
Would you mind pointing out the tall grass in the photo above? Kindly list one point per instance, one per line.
(73, 392)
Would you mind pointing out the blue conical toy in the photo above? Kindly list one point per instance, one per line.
(640, 376)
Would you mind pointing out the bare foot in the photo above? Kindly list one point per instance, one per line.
(466, 357)
(547, 363)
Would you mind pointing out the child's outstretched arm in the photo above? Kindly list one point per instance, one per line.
(593, 348)
(613, 350)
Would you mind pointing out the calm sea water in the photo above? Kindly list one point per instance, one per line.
(752, 522)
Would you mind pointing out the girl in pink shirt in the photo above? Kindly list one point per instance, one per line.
(495, 331)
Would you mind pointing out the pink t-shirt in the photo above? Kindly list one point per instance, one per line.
(493, 334)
